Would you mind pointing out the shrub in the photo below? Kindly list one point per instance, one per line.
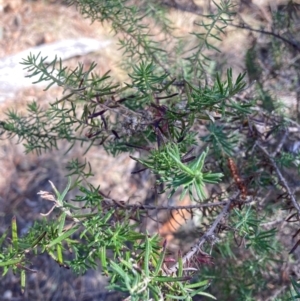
(194, 128)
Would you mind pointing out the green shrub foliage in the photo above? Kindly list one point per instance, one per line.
(195, 128)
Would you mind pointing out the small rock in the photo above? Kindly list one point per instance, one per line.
(8, 295)
(13, 75)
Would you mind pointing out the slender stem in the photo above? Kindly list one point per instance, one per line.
(280, 177)
(198, 11)
(121, 204)
(206, 236)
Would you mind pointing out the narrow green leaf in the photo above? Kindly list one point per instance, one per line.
(55, 190)
(147, 257)
(62, 221)
(63, 236)
(64, 193)
(59, 254)
(171, 279)
(174, 153)
(183, 193)
(220, 85)
(180, 265)
(103, 259)
(14, 233)
(23, 281)
(122, 273)
(3, 236)
(173, 297)
(39, 238)
(10, 262)
(197, 165)
(206, 295)
(160, 260)
(198, 284)
(199, 190)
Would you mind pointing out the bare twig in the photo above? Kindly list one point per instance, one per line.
(206, 236)
(280, 177)
(125, 206)
(273, 223)
(198, 11)
(281, 143)
(270, 33)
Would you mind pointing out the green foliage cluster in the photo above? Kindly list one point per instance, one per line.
(193, 130)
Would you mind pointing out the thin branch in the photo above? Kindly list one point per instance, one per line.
(206, 236)
(125, 206)
(280, 177)
(273, 223)
(198, 11)
(270, 33)
(281, 143)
